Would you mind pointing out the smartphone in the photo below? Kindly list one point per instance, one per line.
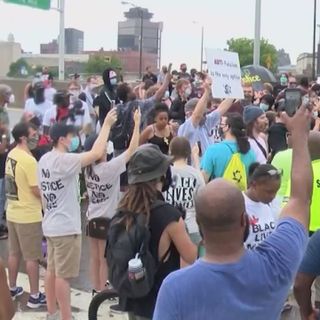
(293, 100)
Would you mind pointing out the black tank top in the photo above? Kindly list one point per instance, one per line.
(160, 218)
(162, 143)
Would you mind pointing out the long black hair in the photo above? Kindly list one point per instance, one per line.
(238, 130)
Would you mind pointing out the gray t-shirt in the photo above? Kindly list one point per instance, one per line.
(58, 178)
(187, 180)
(103, 187)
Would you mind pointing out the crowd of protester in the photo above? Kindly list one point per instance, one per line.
(229, 181)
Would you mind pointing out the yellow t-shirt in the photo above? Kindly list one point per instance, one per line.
(21, 175)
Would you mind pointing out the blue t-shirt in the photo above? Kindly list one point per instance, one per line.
(253, 288)
(311, 260)
(216, 158)
(202, 133)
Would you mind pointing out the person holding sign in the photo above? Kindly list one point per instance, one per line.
(199, 125)
(58, 174)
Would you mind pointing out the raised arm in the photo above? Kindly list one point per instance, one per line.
(99, 147)
(298, 206)
(224, 106)
(134, 143)
(161, 91)
(202, 104)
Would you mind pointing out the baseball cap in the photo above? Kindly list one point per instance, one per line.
(251, 113)
(147, 163)
(60, 130)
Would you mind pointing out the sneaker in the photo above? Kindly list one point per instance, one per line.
(54, 316)
(35, 303)
(16, 293)
(117, 309)
(94, 292)
(3, 235)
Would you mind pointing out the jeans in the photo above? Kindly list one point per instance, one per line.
(2, 200)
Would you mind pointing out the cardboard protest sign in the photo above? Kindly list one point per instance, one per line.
(224, 68)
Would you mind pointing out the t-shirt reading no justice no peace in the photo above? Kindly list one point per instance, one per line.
(58, 177)
(103, 186)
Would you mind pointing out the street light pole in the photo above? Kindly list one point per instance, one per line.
(202, 39)
(257, 31)
(61, 10)
(141, 42)
(314, 40)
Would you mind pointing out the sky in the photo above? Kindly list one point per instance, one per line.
(287, 24)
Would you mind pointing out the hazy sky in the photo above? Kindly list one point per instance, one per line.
(285, 23)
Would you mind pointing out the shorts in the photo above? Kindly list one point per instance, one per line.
(25, 239)
(64, 255)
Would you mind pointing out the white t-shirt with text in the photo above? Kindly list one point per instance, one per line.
(187, 181)
(262, 220)
(58, 178)
(103, 187)
(39, 110)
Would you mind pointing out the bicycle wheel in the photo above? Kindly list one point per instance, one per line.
(97, 300)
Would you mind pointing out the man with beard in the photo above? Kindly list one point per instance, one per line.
(256, 122)
(243, 284)
(239, 105)
(198, 126)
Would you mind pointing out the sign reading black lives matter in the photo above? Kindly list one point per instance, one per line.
(224, 68)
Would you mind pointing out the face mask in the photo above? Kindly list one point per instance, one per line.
(75, 93)
(113, 81)
(221, 133)
(91, 86)
(32, 142)
(187, 92)
(315, 114)
(12, 99)
(74, 145)
(167, 95)
(264, 107)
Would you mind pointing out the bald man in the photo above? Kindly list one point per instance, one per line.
(231, 282)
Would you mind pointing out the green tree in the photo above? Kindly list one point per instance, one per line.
(19, 69)
(98, 63)
(244, 46)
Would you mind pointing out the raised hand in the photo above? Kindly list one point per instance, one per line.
(111, 118)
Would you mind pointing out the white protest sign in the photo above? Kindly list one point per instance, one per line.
(224, 68)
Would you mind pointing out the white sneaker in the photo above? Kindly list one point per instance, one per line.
(54, 316)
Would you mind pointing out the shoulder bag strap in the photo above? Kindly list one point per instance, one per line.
(263, 150)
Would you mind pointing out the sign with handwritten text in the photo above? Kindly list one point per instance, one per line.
(224, 68)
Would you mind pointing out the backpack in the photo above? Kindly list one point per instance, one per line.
(236, 171)
(125, 244)
(122, 130)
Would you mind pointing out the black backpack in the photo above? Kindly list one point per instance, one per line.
(123, 245)
(122, 130)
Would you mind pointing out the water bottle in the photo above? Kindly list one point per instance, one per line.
(136, 270)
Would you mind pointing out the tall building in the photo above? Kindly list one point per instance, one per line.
(10, 52)
(74, 42)
(49, 48)
(73, 39)
(129, 32)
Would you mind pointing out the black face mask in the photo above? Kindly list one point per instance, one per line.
(166, 180)
(39, 96)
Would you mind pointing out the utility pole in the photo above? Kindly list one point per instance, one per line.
(141, 42)
(314, 40)
(202, 39)
(257, 32)
(61, 39)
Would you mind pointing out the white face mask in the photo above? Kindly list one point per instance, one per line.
(12, 99)
(113, 81)
(75, 93)
(315, 114)
(187, 92)
(167, 95)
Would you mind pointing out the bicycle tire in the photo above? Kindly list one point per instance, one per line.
(97, 300)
